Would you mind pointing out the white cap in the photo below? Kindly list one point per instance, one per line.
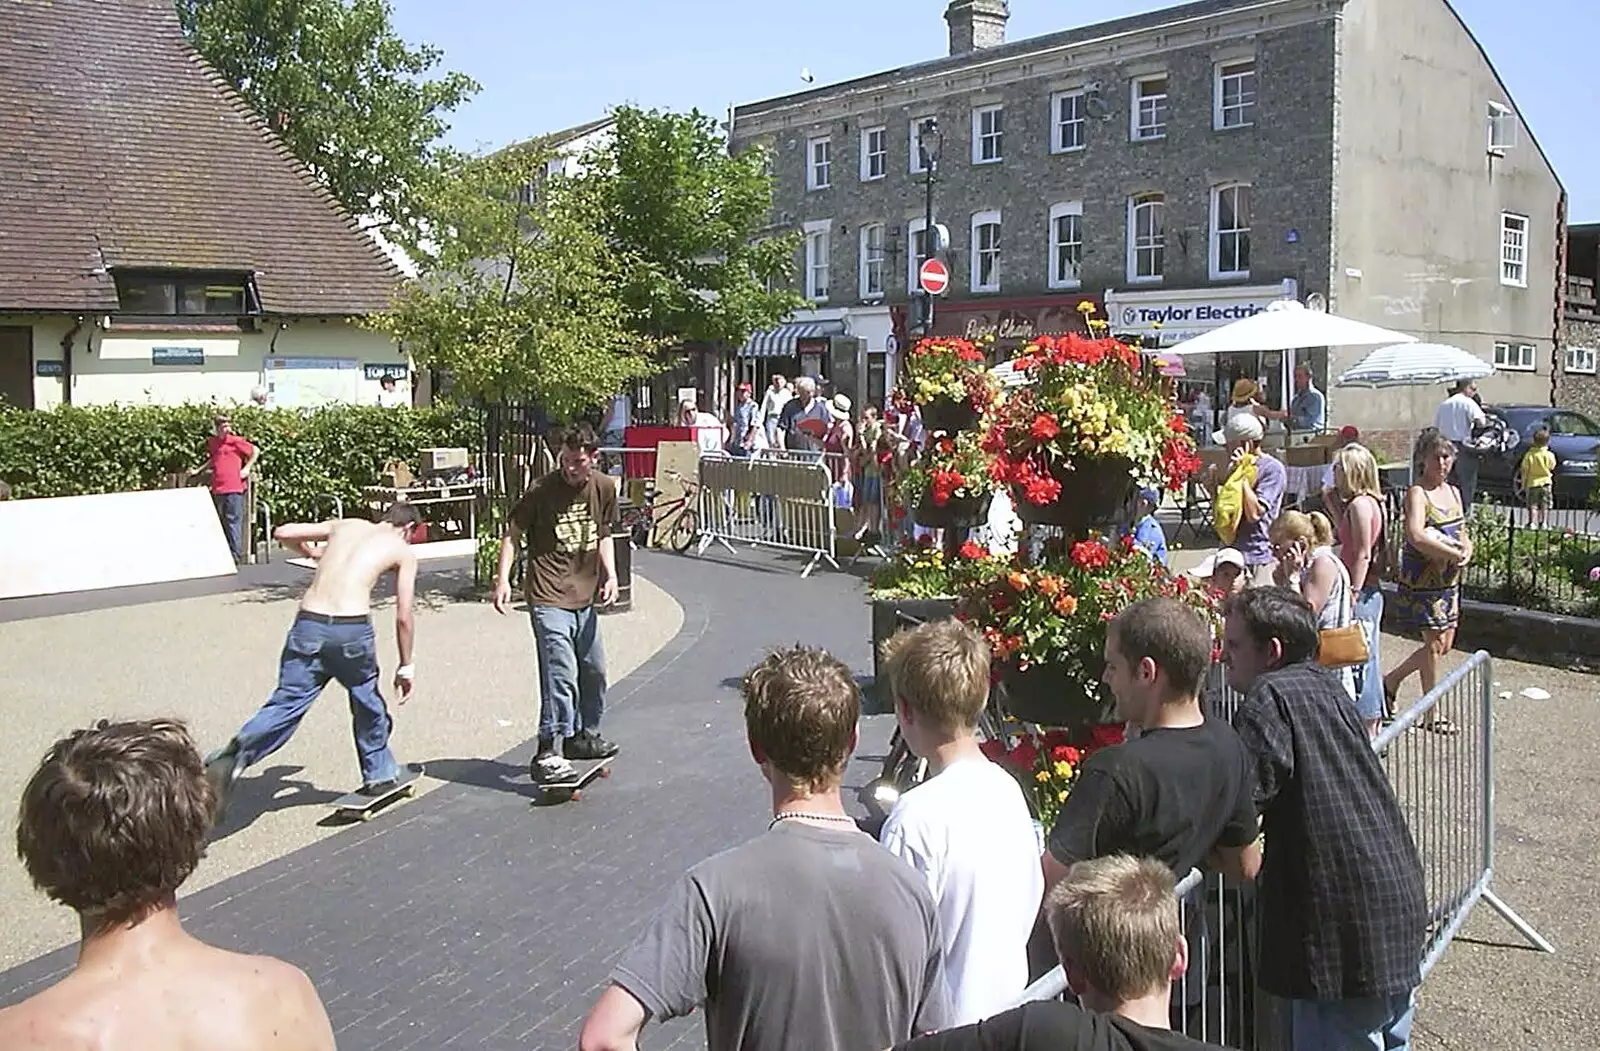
(1228, 556)
(1243, 427)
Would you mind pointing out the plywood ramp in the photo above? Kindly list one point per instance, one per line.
(85, 543)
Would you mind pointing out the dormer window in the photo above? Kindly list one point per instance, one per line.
(167, 294)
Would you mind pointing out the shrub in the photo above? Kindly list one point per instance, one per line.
(306, 456)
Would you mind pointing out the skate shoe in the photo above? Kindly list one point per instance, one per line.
(223, 768)
(586, 744)
(548, 762)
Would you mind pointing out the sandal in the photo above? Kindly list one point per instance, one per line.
(1440, 725)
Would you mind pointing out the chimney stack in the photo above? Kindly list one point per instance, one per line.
(976, 24)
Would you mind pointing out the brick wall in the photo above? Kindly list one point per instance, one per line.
(1575, 390)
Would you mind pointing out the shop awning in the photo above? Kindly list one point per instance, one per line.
(780, 342)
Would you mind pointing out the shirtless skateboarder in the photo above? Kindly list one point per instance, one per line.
(111, 824)
(332, 638)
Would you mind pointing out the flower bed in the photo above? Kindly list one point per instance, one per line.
(1046, 764)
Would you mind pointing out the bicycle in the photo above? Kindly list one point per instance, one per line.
(640, 521)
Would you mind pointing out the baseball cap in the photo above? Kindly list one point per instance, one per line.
(1150, 494)
(1228, 556)
(1348, 433)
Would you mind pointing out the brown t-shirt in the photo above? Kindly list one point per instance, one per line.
(563, 526)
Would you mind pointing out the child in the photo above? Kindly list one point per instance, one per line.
(1535, 473)
(967, 828)
(1148, 536)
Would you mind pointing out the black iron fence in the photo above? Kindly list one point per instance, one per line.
(1553, 568)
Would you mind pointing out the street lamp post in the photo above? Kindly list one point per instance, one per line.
(929, 129)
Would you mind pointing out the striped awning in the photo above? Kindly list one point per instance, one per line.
(780, 342)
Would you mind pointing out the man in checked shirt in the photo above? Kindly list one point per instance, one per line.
(1342, 907)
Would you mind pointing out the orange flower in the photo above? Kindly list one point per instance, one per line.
(1067, 605)
(1050, 585)
(1018, 581)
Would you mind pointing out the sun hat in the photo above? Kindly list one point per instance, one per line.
(1244, 390)
(1243, 427)
(840, 406)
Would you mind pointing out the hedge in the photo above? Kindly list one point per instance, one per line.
(306, 456)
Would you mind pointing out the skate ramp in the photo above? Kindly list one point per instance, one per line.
(85, 543)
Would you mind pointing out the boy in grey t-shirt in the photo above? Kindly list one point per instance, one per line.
(809, 936)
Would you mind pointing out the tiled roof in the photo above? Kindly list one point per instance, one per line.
(1016, 48)
(121, 148)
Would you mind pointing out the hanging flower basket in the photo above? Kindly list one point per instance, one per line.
(1090, 493)
(948, 415)
(1067, 695)
(959, 512)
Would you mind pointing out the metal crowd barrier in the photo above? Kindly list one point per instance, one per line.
(776, 498)
(1445, 785)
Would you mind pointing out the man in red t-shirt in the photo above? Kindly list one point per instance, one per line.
(231, 459)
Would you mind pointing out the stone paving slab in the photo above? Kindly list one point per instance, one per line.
(212, 659)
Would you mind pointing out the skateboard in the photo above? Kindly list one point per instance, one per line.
(571, 788)
(364, 806)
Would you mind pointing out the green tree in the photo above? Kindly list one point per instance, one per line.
(347, 96)
(691, 226)
(519, 296)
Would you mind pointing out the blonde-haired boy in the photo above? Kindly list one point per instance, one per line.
(967, 829)
(1118, 933)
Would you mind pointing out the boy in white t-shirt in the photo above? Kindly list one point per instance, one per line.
(967, 829)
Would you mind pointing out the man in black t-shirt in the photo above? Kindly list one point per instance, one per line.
(1115, 925)
(1181, 789)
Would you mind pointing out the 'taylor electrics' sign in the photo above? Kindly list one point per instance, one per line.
(1170, 316)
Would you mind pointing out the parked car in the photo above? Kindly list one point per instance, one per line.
(1574, 438)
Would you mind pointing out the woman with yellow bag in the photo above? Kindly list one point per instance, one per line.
(1247, 496)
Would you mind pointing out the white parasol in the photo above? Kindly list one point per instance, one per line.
(1287, 325)
(1416, 365)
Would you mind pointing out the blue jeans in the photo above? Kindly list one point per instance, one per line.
(1374, 1023)
(1368, 611)
(319, 650)
(230, 508)
(572, 670)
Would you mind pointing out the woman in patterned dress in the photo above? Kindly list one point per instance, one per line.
(1436, 547)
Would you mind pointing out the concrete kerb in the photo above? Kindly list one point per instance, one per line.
(212, 659)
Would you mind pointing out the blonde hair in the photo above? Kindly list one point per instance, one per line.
(1116, 918)
(940, 670)
(1297, 525)
(1356, 472)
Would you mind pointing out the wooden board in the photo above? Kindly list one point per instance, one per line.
(683, 457)
(85, 543)
(432, 550)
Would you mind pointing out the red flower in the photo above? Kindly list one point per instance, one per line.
(1024, 755)
(1045, 427)
(1107, 734)
(971, 549)
(1065, 754)
(1090, 554)
(993, 750)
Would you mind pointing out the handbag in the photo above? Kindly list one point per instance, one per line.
(1343, 647)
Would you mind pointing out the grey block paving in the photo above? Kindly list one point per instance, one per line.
(469, 918)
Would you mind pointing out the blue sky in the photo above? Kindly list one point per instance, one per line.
(550, 64)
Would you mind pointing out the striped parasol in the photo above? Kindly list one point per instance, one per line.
(1415, 365)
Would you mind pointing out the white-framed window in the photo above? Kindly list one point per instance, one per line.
(1502, 123)
(1580, 359)
(1069, 123)
(817, 259)
(1147, 237)
(819, 163)
(874, 153)
(986, 252)
(1514, 357)
(988, 134)
(916, 239)
(1514, 249)
(1235, 94)
(917, 165)
(1150, 107)
(1066, 244)
(1230, 231)
(872, 260)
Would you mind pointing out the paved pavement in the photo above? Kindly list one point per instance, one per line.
(468, 918)
(211, 657)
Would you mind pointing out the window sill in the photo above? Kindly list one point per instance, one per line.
(1232, 127)
(1579, 372)
(1136, 139)
(1065, 286)
(874, 178)
(1057, 151)
(1146, 280)
(1513, 284)
(1237, 275)
(992, 291)
(992, 160)
(1530, 369)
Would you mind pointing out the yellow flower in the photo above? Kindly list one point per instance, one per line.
(1063, 770)
(1042, 776)
(1062, 795)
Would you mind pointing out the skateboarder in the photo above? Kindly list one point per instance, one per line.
(568, 517)
(332, 638)
(111, 825)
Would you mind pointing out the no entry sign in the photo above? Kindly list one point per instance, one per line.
(934, 277)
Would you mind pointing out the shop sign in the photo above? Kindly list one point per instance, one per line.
(1169, 316)
(1015, 322)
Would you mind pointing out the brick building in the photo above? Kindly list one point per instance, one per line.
(1185, 167)
(1579, 387)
